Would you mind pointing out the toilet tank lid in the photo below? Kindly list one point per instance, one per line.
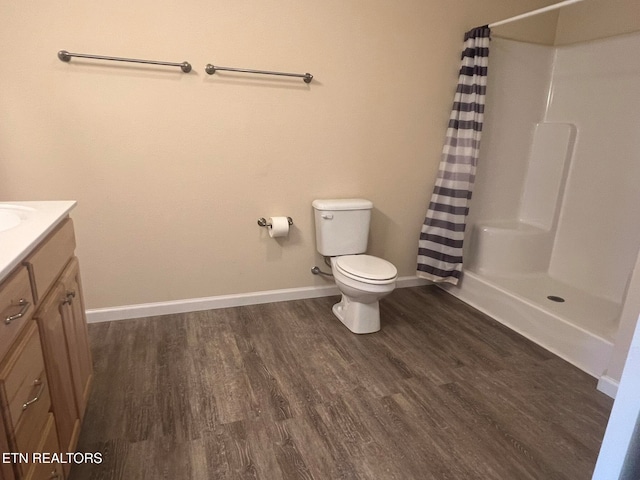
(343, 204)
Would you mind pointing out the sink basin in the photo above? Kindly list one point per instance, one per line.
(13, 215)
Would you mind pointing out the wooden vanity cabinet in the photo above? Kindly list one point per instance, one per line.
(45, 360)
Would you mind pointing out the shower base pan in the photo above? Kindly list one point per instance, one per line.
(574, 325)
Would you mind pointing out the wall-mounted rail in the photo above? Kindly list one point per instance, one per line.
(66, 56)
(211, 69)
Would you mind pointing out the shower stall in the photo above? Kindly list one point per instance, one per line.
(554, 225)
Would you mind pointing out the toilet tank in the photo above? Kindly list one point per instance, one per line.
(342, 225)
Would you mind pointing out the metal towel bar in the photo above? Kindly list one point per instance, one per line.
(211, 69)
(66, 56)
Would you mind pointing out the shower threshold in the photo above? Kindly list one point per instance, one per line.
(579, 329)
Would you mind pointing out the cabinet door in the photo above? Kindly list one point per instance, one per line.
(57, 365)
(75, 329)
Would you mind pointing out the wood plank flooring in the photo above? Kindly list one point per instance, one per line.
(284, 391)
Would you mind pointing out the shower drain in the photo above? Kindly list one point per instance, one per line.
(555, 298)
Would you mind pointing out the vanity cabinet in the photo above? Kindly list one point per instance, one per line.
(45, 361)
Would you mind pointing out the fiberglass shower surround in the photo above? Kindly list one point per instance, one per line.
(554, 210)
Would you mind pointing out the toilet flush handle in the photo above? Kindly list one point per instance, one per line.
(327, 216)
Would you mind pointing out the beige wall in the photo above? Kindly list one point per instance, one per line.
(171, 171)
(594, 19)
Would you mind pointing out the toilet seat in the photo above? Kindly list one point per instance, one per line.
(366, 269)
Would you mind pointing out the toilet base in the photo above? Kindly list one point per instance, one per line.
(358, 317)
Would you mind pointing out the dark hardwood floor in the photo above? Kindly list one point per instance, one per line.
(284, 390)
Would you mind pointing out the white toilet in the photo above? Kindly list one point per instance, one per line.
(342, 233)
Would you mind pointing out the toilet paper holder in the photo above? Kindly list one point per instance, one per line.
(263, 222)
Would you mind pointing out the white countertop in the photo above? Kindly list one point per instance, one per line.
(38, 219)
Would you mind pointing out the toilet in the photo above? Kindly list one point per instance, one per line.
(342, 234)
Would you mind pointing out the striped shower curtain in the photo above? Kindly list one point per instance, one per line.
(440, 244)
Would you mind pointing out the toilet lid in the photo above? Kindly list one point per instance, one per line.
(366, 267)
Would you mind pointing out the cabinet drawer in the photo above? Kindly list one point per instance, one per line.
(16, 307)
(48, 444)
(22, 378)
(50, 258)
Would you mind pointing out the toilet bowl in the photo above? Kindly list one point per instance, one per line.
(363, 280)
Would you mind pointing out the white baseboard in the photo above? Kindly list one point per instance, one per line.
(223, 301)
(608, 386)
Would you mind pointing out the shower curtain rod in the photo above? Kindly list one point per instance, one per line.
(549, 8)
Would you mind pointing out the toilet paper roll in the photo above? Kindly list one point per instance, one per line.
(279, 227)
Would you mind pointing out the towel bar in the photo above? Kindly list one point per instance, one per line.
(65, 56)
(211, 69)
